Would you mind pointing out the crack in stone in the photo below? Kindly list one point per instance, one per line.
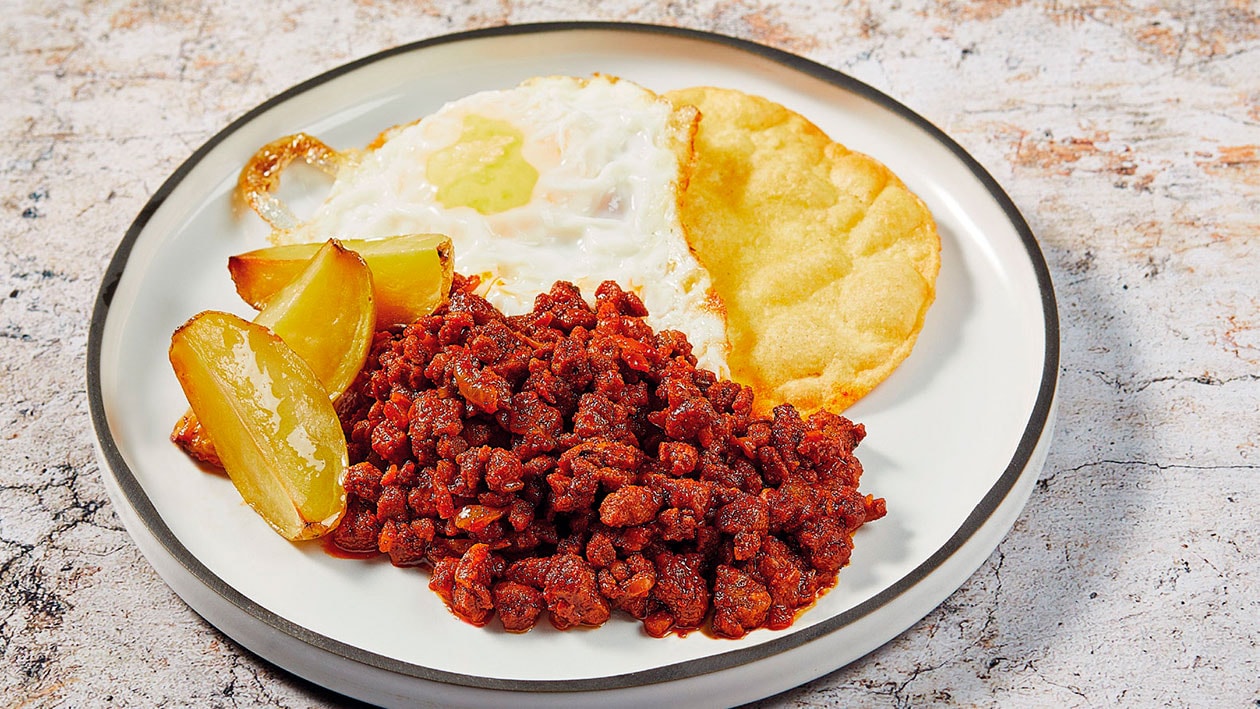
(262, 689)
(1136, 386)
(1043, 484)
(990, 616)
(1073, 689)
(900, 699)
(32, 593)
(1151, 464)
(28, 589)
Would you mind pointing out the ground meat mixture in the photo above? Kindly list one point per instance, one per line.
(572, 462)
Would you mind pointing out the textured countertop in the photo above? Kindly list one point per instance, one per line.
(1129, 136)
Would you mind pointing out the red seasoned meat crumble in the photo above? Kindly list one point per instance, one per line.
(571, 461)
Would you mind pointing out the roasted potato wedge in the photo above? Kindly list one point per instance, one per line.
(326, 315)
(412, 273)
(272, 422)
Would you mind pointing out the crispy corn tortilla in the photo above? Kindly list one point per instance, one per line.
(826, 262)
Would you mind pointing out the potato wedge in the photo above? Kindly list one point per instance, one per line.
(273, 425)
(412, 273)
(326, 315)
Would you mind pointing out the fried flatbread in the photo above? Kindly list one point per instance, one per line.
(826, 262)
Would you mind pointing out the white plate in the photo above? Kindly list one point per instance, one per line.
(956, 436)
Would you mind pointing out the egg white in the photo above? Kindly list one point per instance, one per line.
(610, 157)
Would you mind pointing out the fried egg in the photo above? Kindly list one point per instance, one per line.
(559, 178)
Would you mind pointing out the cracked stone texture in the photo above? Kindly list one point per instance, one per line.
(1127, 134)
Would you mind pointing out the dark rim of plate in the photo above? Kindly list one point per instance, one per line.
(149, 515)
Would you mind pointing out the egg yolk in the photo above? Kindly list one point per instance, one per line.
(484, 169)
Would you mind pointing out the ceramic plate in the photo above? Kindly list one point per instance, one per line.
(955, 440)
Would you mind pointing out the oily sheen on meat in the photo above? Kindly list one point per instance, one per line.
(570, 462)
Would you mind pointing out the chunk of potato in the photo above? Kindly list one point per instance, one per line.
(412, 273)
(326, 315)
(272, 423)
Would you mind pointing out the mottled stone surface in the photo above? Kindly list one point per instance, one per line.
(1128, 135)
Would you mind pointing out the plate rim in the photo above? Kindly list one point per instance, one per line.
(1039, 418)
